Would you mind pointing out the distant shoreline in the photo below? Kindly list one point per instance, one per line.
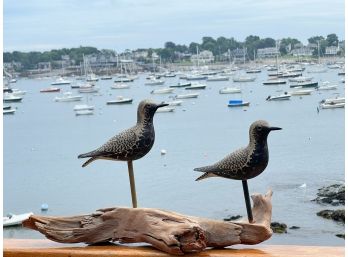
(180, 66)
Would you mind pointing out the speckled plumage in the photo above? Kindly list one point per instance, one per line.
(244, 163)
(131, 144)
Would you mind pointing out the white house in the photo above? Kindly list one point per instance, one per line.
(203, 57)
(302, 51)
(331, 50)
(268, 52)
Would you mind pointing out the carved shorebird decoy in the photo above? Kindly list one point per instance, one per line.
(130, 144)
(244, 163)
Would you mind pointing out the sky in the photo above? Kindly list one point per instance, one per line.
(40, 25)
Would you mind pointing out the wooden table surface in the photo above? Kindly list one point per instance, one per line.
(46, 248)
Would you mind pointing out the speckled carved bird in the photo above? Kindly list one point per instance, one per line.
(131, 144)
(244, 163)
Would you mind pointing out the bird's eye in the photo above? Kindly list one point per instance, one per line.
(259, 128)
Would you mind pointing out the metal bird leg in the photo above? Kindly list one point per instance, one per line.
(132, 183)
(247, 200)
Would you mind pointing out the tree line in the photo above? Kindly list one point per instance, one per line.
(172, 52)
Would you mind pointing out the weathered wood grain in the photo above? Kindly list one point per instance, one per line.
(167, 231)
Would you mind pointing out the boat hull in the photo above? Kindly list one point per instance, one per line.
(120, 102)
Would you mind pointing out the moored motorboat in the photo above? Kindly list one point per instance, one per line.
(84, 112)
(196, 77)
(218, 78)
(7, 90)
(336, 100)
(281, 97)
(181, 85)
(244, 79)
(300, 92)
(119, 86)
(92, 78)
(120, 100)
(195, 86)
(68, 97)
(88, 89)
(60, 81)
(106, 77)
(10, 98)
(253, 71)
(81, 107)
(300, 79)
(332, 105)
(169, 75)
(165, 109)
(123, 80)
(50, 90)
(326, 85)
(341, 73)
(15, 219)
(184, 96)
(154, 82)
(166, 90)
(17, 92)
(274, 82)
(305, 84)
(237, 103)
(174, 103)
(230, 90)
(8, 111)
(289, 74)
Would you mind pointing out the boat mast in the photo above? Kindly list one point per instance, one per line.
(277, 59)
(244, 54)
(318, 52)
(197, 56)
(229, 57)
(85, 65)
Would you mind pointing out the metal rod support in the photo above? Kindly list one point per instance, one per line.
(132, 184)
(247, 200)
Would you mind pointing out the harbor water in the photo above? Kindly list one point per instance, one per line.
(43, 139)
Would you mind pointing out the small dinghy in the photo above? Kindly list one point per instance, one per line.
(237, 103)
(15, 219)
(120, 100)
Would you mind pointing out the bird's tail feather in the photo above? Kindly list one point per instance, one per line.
(205, 175)
(203, 169)
(88, 161)
(85, 155)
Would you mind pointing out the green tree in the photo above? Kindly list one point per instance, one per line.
(209, 43)
(181, 48)
(315, 39)
(166, 54)
(224, 44)
(170, 45)
(193, 47)
(332, 40)
(251, 42)
(285, 42)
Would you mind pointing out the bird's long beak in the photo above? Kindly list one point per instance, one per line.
(161, 105)
(274, 128)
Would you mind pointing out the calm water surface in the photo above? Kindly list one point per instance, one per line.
(43, 139)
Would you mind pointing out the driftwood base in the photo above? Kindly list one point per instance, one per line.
(165, 230)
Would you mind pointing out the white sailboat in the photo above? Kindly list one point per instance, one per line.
(90, 76)
(318, 68)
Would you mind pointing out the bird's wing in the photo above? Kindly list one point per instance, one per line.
(119, 145)
(234, 161)
(230, 162)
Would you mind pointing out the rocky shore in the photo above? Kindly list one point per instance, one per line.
(333, 195)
